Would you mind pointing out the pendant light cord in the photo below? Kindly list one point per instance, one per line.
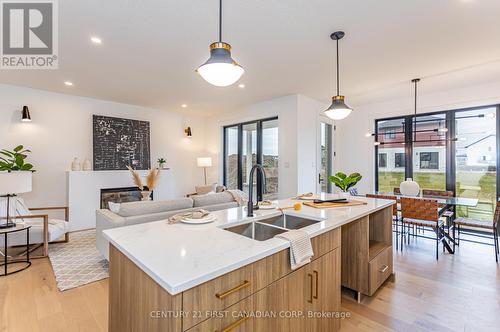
(220, 21)
(415, 117)
(338, 81)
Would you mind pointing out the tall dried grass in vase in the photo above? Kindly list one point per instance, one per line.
(136, 178)
(153, 178)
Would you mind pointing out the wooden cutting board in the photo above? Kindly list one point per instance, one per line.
(327, 205)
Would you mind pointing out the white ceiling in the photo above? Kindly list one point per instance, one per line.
(151, 48)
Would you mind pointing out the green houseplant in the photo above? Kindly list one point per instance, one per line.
(344, 182)
(15, 160)
(161, 162)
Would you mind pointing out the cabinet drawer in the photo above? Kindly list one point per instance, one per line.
(222, 292)
(380, 269)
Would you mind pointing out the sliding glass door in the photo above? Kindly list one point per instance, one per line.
(245, 145)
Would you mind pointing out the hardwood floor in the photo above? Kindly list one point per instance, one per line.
(459, 292)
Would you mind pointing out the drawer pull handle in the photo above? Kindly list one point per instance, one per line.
(235, 324)
(384, 268)
(310, 300)
(316, 274)
(221, 296)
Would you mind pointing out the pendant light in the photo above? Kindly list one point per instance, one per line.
(338, 110)
(220, 69)
(26, 116)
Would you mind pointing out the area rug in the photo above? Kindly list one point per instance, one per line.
(77, 262)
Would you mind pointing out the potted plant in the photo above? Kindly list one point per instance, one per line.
(15, 160)
(161, 163)
(15, 177)
(345, 182)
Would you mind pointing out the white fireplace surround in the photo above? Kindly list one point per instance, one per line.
(84, 193)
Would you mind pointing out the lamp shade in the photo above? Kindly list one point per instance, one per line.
(338, 110)
(220, 69)
(204, 161)
(26, 117)
(15, 182)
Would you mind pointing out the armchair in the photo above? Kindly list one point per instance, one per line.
(44, 230)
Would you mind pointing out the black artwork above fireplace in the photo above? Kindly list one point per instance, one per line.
(120, 195)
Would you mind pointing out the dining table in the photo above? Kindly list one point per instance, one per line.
(446, 204)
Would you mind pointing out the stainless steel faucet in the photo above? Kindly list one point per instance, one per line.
(250, 207)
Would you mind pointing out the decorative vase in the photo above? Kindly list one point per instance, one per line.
(409, 188)
(87, 166)
(344, 194)
(146, 195)
(76, 165)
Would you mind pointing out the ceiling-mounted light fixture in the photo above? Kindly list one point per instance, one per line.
(220, 69)
(26, 117)
(415, 82)
(188, 132)
(338, 110)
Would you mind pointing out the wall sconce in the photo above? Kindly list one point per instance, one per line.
(26, 117)
(188, 132)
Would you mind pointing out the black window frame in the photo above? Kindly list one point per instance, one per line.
(450, 117)
(403, 159)
(431, 154)
(384, 159)
(258, 122)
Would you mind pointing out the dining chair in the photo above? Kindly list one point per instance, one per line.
(441, 193)
(422, 212)
(397, 191)
(491, 225)
(395, 213)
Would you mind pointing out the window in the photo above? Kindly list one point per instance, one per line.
(245, 145)
(429, 160)
(382, 160)
(388, 175)
(399, 160)
(454, 150)
(390, 134)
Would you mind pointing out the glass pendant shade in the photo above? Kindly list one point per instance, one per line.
(338, 110)
(220, 69)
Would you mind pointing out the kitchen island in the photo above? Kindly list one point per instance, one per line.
(232, 274)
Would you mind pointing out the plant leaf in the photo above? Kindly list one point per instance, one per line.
(341, 175)
(18, 148)
(27, 167)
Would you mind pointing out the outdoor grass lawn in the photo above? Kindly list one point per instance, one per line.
(469, 184)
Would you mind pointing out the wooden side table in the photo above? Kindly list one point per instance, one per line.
(6, 262)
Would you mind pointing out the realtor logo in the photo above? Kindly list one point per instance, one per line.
(29, 34)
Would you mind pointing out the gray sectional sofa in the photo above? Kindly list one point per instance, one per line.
(141, 212)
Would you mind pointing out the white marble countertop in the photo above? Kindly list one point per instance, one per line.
(181, 256)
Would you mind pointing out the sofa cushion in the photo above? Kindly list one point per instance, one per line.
(212, 199)
(141, 208)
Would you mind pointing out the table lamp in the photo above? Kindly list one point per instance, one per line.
(11, 184)
(204, 162)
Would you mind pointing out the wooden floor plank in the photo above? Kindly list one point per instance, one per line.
(459, 292)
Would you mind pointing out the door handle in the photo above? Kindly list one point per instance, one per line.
(384, 268)
(310, 300)
(316, 274)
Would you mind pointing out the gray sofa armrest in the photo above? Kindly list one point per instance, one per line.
(105, 219)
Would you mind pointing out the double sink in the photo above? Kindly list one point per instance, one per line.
(268, 228)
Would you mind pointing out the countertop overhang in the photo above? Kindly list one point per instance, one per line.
(181, 256)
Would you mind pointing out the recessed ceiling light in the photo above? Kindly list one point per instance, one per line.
(184, 105)
(241, 86)
(68, 83)
(96, 40)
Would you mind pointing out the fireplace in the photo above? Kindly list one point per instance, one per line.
(120, 195)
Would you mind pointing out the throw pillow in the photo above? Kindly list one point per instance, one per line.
(114, 207)
(202, 190)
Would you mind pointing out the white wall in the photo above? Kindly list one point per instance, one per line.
(62, 129)
(356, 153)
(298, 121)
